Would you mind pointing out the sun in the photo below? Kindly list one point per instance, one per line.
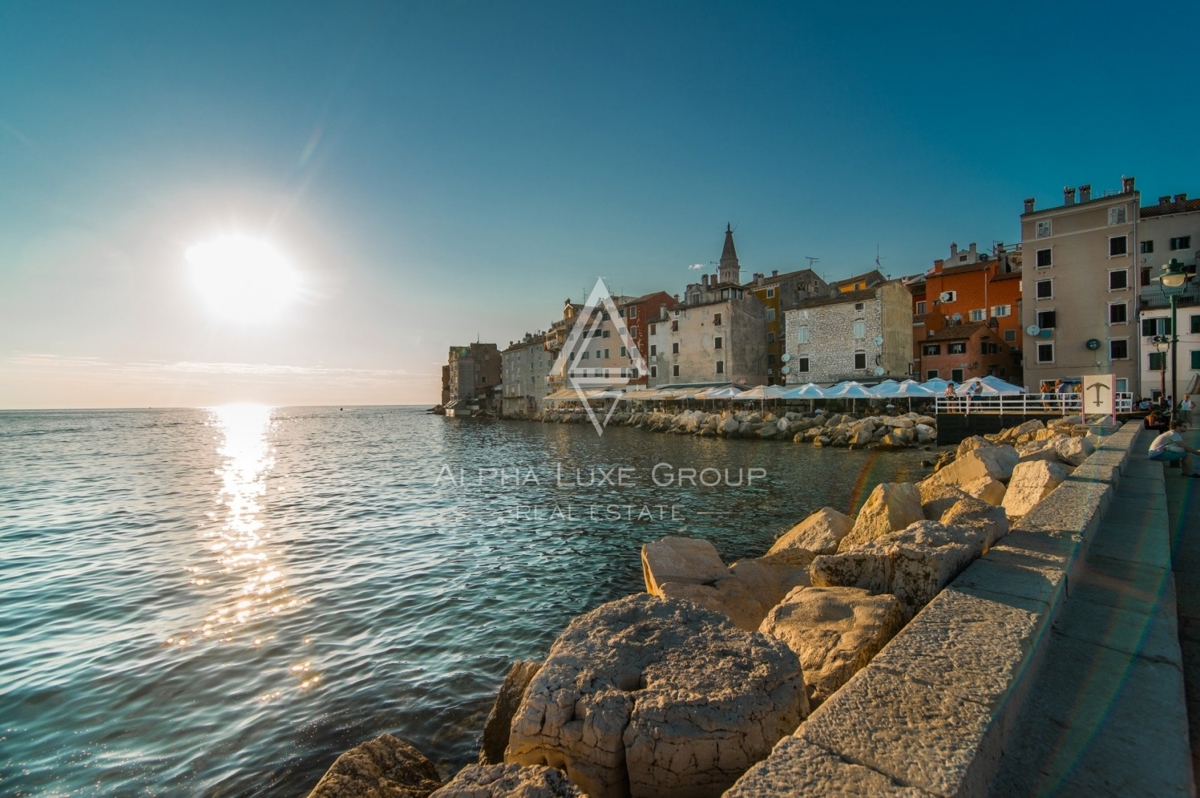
(242, 279)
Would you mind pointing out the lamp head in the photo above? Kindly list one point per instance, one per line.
(1173, 274)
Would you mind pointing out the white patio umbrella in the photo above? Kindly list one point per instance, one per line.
(849, 390)
(993, 387)
(809, 390)
(760, 392)
(907, 389)
(726, 392)
(937, 385)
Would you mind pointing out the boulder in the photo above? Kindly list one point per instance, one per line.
(647, 696)
(1038, 451)
(996, 462)
(928, 421)
(986, 489)
(386, 767)
(499, 720)
(1074, 450)
(728, 427)
(1026, 428)
(509, 781)
(974, 512)
(835, 631)
(820, 533)
(937, 497)
(752, 588)
(912, 564)
(1032, 482)
(683, 560)
(891, 506)
(892, 442)
(971, 444)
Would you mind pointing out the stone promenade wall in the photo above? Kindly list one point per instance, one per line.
(931, 713)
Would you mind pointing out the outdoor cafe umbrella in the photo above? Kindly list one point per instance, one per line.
(727, 392)
(907, 389)
(849, 390)
(761, 393)
(989, 386)
(809, 390)
(937, 385)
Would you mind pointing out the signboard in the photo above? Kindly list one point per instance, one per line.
(1099, 396)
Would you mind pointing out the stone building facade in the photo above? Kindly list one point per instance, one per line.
(472, 374)
(863, 335)
(712, 342)
(526, 371)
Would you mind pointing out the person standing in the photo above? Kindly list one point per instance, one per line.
(1169, 447)
(1185, 409)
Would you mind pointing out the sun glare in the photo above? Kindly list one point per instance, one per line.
(241, 278)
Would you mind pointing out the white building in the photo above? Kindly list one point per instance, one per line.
(525, 368)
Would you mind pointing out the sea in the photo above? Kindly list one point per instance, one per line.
(220, 601)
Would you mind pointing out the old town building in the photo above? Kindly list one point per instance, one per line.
(526, 371)
(711, 341)
(959, 351)
(1169, 229)
(637, 314)
(780, 293)
(471, 375)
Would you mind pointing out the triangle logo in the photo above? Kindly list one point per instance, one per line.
(585, 364)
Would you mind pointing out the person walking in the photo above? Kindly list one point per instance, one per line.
(1169, 447)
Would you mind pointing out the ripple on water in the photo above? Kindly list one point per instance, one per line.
(220, 602)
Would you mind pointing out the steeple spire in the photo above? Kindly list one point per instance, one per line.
(729, 271)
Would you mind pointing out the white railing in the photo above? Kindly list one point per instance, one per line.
(1063, 404)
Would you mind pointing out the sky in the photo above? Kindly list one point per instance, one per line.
(443, 172)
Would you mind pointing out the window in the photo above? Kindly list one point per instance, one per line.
(1146, 247)
(770, 293)
(1118, 280)
(633, 312)
(1185, 242)
(716, 319)
(921, 308)
(654, 371)
(1158, 361)
(956, 348)
(1116, 215)
(1044, 289)
(802, 335)
(1122, 384)
(858, 306)
(1152, 327)
(584, 356)
(770, 314)
(948, 296)
(606, 374)
(605, 354)
(770, 360)
(720, 366)
(1000, 311)
(674, 326)
(860, 360)
(623, 352)
(1118, 245)
(653, 329)
(802, 364)
(675, 371)
(1196, 360)
(956, 375)
(633, 332)
(1010, 335)
(653, 350)
(770, 337)
(1044, 230)
(595, 334)
(932, 374)
(1118, 313)
(717, 342)
(675, 349)
(860, 329)
(1195, 325)
(931, 349)
(1046, 319)
(1045, 353)
(1118, 349)
(978, 315)
(1146, 279)
(606, 333)
(1045, 258)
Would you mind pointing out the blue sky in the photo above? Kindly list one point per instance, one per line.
(439, 171)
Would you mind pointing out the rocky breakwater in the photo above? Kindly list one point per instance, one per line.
(906, 431)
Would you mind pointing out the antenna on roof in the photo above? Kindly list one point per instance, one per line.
(878, 265)
(811, 261)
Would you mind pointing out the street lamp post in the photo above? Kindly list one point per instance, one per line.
(1162, 343)
(1173, 282)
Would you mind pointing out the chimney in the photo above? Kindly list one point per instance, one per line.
(998, 247)
(953, 249)
(1029, 205)
(1126, 185)
(974, 251)
(1164, 200)
(704, 280)
(1085, 193)
(775, 272)
(1181, 197)
(1068, 195)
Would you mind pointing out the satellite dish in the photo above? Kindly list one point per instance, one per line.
(1093, 344)
(878, 340)
(1045, 333)
(786, 370)
(957, 317)
(785, 357)
(879, 371)
(1033, 329)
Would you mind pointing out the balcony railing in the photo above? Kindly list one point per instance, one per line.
(1063, 404)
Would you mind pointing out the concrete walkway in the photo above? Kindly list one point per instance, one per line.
(1183, 504)
(1105, 714)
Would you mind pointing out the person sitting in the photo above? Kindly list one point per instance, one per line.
(1169, 447)
(1155, 421)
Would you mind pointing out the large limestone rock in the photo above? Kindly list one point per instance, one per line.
(1039, 450)
(499, 720)
(971, 444)
(647, 696)
(1026, 428)
(1032, 482)
(509, 781)
(891, 506)
(978, 513)
(912, 564)
(751, 589)
(820, 533)
(986, 489)
(386, 767)
(733, 598)
(1073, 450)
(937, 497)
(834, 631)
(996, 462)
(681, 560)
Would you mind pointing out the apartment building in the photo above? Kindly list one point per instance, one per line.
(712, 341)
(858, 334)
(1169, 229)
(637, 314)
(961, 351)
(780, 293)
(525, 369)
(1079, 287)
(472, 374)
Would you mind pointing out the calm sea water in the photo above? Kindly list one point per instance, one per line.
(219, 602)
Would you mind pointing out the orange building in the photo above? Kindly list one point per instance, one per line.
(973, 288)
(958, 352)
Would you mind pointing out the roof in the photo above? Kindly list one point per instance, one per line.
(728, 253)
(536, 340)
(978, 266)
(645, 298)
(772, 279)
(955, 332)
(1167, 208)
(873, 276)
(837, 299)
(999, 276)
(1122, 195)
